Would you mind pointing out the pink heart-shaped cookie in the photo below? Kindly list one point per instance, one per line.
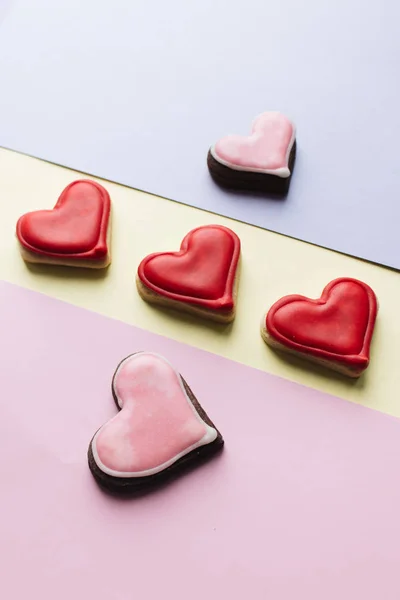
(262, 160)
(160, 426)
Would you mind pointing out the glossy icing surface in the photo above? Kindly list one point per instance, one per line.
(157, 423)
(202, 272)
(77, 225)
(266, 150)
(338, 326)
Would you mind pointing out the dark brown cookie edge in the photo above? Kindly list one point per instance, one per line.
(248, 181)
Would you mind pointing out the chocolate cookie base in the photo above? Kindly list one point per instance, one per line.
(136, 485)
(248, 181)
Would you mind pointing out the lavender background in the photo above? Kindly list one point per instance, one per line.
(136, 92)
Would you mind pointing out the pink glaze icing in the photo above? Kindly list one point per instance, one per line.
(267, 149)
(157, 423)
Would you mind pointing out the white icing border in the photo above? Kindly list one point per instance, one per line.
(210, 435)
(283, 172)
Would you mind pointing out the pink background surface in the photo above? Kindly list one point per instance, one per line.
(303, 503)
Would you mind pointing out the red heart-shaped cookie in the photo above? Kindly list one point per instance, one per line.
(160, 426)
(73, 232)
(335, 330)
(200, 276)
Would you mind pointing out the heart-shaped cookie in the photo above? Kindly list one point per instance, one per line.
(160, 427)
(262, 161)
(75, 232)
(335, 330)
(201, 278)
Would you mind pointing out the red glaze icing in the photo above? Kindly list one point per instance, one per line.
(202, 272)
(336, 327)
(76, 226)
